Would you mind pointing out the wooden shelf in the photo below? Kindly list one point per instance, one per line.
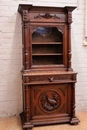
(53, 54)
(36, 43)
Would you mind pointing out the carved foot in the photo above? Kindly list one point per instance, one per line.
(26, 125)
(74, 121)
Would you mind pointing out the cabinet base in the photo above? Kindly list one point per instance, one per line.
(32, 123)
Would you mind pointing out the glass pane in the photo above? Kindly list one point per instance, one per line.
(47, 46)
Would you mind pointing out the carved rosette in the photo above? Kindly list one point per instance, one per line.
(49, 101)
(26, 79)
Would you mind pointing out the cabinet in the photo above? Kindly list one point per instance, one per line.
(47, 77)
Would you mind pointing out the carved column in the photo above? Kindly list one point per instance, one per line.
(69, 39)
(73, 101)
(26, 103)
(26, 39)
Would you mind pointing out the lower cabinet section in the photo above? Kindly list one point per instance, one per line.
(50, 99)
(46, 104)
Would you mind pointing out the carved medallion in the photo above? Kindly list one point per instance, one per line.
(49, 101)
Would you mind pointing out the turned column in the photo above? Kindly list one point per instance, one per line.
(25, 40)
(69, 40)
(73, 101)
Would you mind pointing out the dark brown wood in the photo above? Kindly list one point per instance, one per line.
(47, 77)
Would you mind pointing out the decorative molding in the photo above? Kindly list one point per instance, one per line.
(47, 16)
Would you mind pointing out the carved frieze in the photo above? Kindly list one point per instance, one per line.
(49, 78)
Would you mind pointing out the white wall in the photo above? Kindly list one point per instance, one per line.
(11, 53)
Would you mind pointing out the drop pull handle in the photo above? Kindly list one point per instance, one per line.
(51, 79)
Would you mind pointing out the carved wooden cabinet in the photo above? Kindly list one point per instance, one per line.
(47, 77)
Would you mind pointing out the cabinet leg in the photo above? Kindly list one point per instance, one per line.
(74, 120)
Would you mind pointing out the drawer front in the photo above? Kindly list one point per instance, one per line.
(42, 79)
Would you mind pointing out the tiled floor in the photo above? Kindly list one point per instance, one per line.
(14, 123)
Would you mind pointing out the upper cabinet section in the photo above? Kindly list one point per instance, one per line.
(46, 37)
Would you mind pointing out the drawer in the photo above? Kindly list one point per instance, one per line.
(43, 79)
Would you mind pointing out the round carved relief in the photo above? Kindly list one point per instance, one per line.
(49, 100)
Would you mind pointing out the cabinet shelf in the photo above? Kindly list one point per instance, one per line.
(39, 43)
(53, 54)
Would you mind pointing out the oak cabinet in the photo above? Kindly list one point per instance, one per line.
(47, 77)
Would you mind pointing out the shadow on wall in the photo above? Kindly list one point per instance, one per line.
(16, 66)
